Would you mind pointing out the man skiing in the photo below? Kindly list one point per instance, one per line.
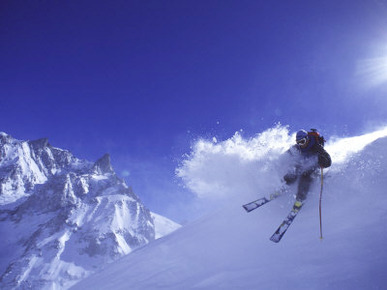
(306, 156)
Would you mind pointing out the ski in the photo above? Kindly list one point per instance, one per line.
(261, 201)
(279, 233)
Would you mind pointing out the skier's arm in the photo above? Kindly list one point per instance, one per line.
(324, 159)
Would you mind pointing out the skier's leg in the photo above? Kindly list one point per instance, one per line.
(303, 186)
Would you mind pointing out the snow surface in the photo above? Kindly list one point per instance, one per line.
(230, 249)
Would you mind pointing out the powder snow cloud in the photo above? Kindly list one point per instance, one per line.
(240, 167)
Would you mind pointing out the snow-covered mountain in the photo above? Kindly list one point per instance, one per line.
(230, 249)
(164, 226)
(62, 218)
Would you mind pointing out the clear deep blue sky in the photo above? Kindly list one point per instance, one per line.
(143, 79)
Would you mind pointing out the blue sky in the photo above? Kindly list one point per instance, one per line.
(143, 80)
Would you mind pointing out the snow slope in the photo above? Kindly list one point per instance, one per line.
(230, 249)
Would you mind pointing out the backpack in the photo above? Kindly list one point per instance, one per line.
(313, 133)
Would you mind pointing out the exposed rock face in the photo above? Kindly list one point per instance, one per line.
(103, 165)
(62, 218)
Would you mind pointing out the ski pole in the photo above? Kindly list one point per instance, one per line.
(322, 182)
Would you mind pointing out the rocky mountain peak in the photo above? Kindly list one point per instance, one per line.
(4, 138)
(103, 165)
(63, 213)
(40, 143)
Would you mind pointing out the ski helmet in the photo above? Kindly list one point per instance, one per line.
(301, 135)
(302, 139)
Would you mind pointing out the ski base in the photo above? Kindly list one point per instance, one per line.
(261, 201)
(279, 233)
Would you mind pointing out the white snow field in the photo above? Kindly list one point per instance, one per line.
(230, 249)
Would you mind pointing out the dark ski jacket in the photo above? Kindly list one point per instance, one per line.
(304, 161)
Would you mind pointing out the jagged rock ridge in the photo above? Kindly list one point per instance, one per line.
(62, 218)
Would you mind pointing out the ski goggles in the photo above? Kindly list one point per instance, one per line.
(302, 141)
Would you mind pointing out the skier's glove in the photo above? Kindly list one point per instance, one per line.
(324, 159)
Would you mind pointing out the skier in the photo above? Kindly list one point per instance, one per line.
(306, 156)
